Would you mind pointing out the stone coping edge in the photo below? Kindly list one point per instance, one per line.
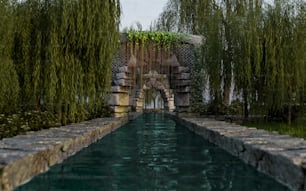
(25, 156)
(280, 156)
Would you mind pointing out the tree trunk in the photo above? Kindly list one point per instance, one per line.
(246, 109)
(226, 92)
(289, 117)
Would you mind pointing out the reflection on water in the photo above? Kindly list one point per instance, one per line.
(152, 153)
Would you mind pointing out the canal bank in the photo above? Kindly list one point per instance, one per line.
(25, 156)
(279, 156)
(152, 152)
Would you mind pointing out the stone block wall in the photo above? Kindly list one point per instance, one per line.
(176, 98)
(25, 156)
(279, 156)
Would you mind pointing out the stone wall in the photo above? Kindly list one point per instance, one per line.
(127, 96)
(25, 156)
(280, 156)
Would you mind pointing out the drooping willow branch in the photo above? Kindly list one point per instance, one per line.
(62, 51)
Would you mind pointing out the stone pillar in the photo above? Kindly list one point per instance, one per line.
(169, 100)
(171, 106)
(138, 101)
(182, 89)
(119, 98)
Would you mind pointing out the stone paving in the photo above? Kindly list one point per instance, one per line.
(280, 156)
(25, 156)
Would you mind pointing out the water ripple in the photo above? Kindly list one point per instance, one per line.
(152, 153)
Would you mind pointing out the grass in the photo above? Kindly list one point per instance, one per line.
(297, 129)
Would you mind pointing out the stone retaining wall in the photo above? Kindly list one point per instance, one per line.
(24, 156)
(280, 156)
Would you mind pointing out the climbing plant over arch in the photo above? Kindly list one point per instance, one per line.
(165, 39)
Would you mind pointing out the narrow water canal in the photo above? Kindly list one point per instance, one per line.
(152, 152)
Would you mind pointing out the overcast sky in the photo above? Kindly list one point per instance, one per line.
(143, 11)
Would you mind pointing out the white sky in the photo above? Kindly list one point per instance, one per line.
(143, 11)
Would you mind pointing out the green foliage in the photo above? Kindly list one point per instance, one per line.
(213, 55)
(9, 86)
(14, 124)
(235, 108)
(168, 20)
(9, 91)
(56, 56)
(165, 39)
(257, 47)
(198, 79)
(297, 129)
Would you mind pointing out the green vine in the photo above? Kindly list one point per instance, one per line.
(165, 39)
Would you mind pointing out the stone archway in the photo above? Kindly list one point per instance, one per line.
(169, 73)
(154, 80)
(126, 97)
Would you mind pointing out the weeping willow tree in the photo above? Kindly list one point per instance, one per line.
(83, 39)
(168, 21)
(213, 21)
(9, 86)
(299, 36)
(284, 54)
(254, 47)
(62, 53)
(189, 11)
(26, 52)
(247, 52)
(213, 59)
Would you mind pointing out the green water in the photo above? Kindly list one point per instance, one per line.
(152, 153)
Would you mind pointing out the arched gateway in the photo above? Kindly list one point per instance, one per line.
(135, 70)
